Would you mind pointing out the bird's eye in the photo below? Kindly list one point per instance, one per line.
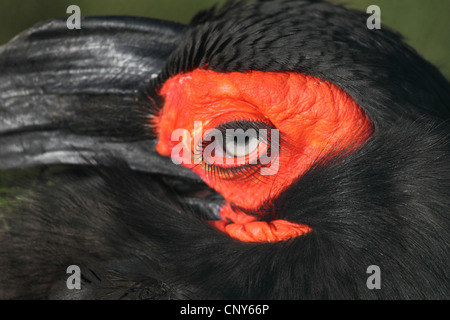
(235, 145)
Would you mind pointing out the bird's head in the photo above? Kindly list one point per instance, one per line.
(309, 74)
(250, 98)
(291, 120)
(288, 122)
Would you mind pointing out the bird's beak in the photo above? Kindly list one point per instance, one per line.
(73, 96)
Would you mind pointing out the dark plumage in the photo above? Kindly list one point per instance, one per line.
(386, 204)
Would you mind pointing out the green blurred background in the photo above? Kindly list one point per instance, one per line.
(425, 24)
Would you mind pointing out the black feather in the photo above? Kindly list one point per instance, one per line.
(386, 204)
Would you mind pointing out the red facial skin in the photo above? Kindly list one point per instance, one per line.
(314, 118)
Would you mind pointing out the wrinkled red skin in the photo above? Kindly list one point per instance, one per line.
(314, 117)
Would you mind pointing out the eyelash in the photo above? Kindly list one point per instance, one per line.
(245, 171)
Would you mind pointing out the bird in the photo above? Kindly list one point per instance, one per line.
(355, 122)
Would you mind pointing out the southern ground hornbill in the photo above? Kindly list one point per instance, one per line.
(363, 162)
